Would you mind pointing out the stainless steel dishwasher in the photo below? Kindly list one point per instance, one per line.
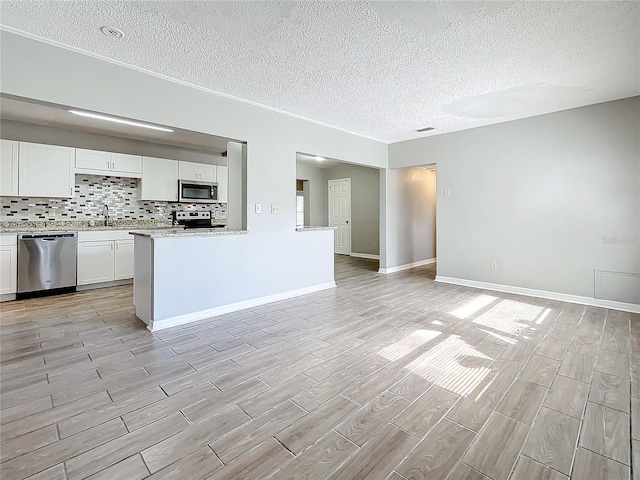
(46, 263)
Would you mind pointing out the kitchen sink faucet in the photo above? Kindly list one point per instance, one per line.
(105, 212)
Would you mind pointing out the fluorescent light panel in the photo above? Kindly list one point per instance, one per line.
(119, 120)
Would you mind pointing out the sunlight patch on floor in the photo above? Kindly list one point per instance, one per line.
(443, 365)
(408, 344)
(472, 306)
(509, 316)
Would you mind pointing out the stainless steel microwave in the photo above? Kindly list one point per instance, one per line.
(190, 191)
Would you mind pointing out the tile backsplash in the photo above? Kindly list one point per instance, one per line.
(91, 193)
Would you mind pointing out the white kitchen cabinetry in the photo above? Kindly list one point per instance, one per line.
(123, 268)
(8, 263)
(223, 183)
(159, 179)
(45, 170)
(9, 168)
(104, 256)
(95, 162)
(198, 172)
(96, 262)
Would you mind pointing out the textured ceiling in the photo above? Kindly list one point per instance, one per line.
(379, 69)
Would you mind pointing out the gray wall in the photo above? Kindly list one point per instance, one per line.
(365, 205)
(550, 198)
(365, 201)
(27, 132)
(410, 209)
(237, 194)
(40, 71)
(315, 194)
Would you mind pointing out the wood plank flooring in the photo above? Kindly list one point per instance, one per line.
(386, 377)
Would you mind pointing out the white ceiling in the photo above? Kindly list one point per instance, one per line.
(312, 161)
(379, 69)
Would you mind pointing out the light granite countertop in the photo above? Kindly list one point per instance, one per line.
(313, 229)
(194, 232)
(81, 225)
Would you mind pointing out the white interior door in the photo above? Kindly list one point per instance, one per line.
(340, 214)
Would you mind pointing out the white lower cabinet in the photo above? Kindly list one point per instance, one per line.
(123, 268)
(95, 262)
(104, 256)
(8, 263)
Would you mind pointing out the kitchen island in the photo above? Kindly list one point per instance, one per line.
(181, 276)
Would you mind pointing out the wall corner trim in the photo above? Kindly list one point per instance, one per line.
(365, 255)
(234, 307)
(407, 266)
(530, 292)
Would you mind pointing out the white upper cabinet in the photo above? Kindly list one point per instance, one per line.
(159, 179)
(223, 183)
(9, 168)
(131, 164)
(198, 172)
(107, 163)
(45, 170)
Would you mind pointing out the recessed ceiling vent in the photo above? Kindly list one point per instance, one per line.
(111, 32)
(425, 129)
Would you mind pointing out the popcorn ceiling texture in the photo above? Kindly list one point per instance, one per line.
(381, 69)
(90, 194)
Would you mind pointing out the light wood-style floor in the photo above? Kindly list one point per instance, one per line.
(385, 377)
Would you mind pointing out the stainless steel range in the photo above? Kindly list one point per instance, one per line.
(195, 219)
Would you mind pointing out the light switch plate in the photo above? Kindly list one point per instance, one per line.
(258, 208)
(275, 208)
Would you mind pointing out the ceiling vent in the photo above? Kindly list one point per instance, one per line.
(111, 32)
(425, 129)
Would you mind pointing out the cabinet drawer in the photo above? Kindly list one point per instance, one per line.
(104, 235)
(8, 239)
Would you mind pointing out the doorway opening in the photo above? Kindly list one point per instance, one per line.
(353, 207)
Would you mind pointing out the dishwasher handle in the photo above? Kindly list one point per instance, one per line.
(47, 237)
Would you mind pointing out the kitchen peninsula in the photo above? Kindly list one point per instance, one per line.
(181, 276)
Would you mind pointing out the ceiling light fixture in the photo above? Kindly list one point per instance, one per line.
(112, 32)
(318, 158)
(425, 129)
(119, 120)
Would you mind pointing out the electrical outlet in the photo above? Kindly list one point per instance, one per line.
(375, 244)
(258, 208)
(494, 265)
(275, 208)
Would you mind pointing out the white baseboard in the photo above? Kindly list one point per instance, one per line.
(234, 307)
(93, 286)
(365, 255)
(407, 266)
(530, 292)
(7, 297)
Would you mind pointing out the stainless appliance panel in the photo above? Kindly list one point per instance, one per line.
(190, 191)
(46, 261)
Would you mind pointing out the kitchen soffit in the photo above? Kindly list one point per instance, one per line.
(58, 116)
(378, 69)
